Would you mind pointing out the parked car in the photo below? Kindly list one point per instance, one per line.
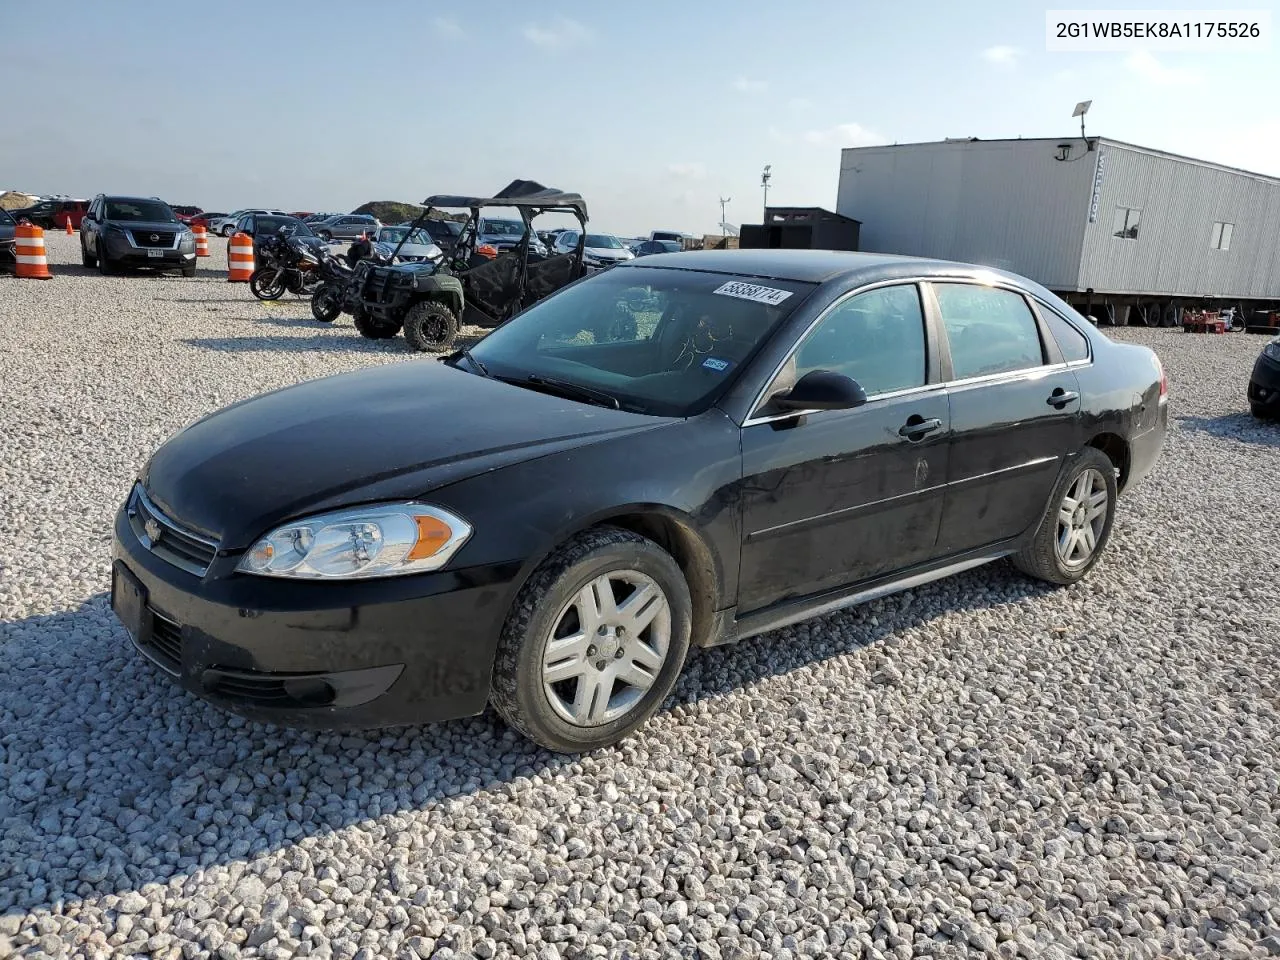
(205, 220)
(445, 233)
(650, 247)
(226, 226)
(316, 217)
(504, 234)
(346, 226)
(260, 225)
(53, 213)
(122, 231)
(787, 432)
(1264, 383)
(186, 213)
(301, 214)
(414, 243)
(8, 230)
(599, 249)
(675, 235)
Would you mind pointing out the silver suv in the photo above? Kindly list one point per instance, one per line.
(347, 226)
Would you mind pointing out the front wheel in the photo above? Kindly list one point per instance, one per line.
(1077, 524)
(1261, 411)
(430, 326)
(86, 258)
(594, 642)
(373, 329)
(326, 303)
(267, 283)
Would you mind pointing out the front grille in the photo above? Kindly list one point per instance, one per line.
(183, 548)
(164, 238)
(165, 643)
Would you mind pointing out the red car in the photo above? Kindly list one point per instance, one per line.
(301, 214)
(72, 210)
(202, 220)
(186, 214)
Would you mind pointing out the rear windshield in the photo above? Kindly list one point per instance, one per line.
(140, 211)
(271, 224)
(660, 341)
(502, 228)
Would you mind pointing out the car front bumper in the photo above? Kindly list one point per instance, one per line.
(341, 655)
(1264, 383)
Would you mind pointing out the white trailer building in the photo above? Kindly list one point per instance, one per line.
(1125, 233)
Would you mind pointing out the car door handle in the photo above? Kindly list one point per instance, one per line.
(1060, 398)
(916, 427)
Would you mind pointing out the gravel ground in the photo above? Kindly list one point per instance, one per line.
(981, 767)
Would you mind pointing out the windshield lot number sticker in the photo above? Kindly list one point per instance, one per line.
(750, 291)
(716, 364)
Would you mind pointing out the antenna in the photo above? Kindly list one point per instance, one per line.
(1081, 109)
(765, 177)
(724, 202)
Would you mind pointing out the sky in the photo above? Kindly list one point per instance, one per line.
(653, 111)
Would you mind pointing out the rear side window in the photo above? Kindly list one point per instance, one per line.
(877, 338)
(990, 330)
(1073, 344)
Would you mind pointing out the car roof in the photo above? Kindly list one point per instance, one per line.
(817, 266)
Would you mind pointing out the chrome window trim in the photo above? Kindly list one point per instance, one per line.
(752, 419)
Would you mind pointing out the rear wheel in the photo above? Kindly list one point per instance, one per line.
(325, 235)
(373, 329)
(326, 303)
(1077, 524)
(430, 326)
(593, 643)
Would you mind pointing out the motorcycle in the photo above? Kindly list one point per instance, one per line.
(288, 264)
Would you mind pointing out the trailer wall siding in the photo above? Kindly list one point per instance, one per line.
(1004, 203)
(1180, 200)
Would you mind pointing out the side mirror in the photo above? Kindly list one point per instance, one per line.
(822, 390)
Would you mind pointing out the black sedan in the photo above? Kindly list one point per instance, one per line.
(548, 521)
(1264, 384)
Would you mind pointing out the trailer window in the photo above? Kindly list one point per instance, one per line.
(1221, 237)
(1125, 223)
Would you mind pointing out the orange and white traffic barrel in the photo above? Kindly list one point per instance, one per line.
(202, 240)
(29, 251)
(240, 258)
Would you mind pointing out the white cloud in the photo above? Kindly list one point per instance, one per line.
(688, 171)
(845, 135)
(747, 85)
(1002, 56)
(448, 27)
(780, 136)
(563, 33)
(800, 104)
(1144, 65)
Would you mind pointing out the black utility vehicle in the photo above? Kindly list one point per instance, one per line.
(476, 284)
(547, 522)
(135, 232)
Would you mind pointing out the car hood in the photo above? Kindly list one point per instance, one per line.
(391, 432)
(607, 253)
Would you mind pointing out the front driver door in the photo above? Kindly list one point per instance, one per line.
(841, 496)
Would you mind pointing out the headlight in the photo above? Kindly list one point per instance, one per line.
(380, 540)
(1272, 350)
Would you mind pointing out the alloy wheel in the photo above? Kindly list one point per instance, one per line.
(606, 649)
(1082, 516)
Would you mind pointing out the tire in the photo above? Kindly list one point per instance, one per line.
(266, 283)
(552, 602)
(105, 266)
(1261, 412)
(228, 229)
(326, 303)
(374, 329)
(86, 258)
(430, 325)
(189, 271)
(1044, 558)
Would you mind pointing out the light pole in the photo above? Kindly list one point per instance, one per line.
(724, 202)
(764, 182)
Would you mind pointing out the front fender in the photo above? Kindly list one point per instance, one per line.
(442, 287)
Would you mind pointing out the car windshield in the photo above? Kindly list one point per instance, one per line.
(668, 246)
(295, 227)
(502, 228)
(658, 341)
(139, 211)
(396, 234)
(603, 241)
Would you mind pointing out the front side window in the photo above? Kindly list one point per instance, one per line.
(657, 341)
(1220, 238)
(990, 330)
(1125, 223)
(877, 338)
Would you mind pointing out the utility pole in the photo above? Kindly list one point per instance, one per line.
(724, 202)
(764, 182)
